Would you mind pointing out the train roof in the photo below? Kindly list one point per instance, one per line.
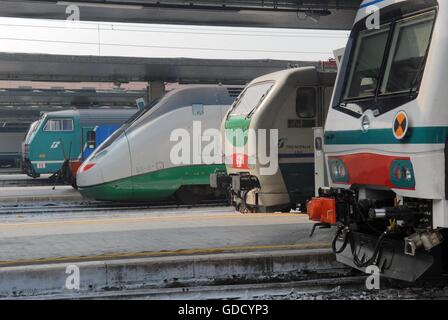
(205, 94)
(311, 73)
(97, 116)
(212, 95)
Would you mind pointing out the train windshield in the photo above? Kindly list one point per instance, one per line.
(33, 128)
(389, 61)
(119, 133)
(251, 98)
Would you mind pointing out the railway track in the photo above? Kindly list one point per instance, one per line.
(224, 292)
(99, 207)
(332, 288)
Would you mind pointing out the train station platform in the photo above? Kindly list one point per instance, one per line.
(38, 194)
(155, 247)
(22, 180)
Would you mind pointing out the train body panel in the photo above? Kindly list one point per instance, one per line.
(145, 149)
(385, 143)
(274, 117)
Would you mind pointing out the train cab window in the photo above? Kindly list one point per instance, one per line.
(306, 103)
(408, 50)
(367, 62)
(59, 125)
(251, 98)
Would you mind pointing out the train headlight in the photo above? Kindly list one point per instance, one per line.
(407, 174)
(402, 174)
(338, 171)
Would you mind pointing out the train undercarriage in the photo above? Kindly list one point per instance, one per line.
(244, 193)
(375, 228)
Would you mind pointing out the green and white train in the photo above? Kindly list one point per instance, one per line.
(135, 163)
(286, 106)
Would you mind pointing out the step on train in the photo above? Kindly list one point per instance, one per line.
(144, 159)
(385, 143)
(292, 102)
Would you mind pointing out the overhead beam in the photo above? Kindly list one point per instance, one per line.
(311, 14)
(69, 98)
(62, 68)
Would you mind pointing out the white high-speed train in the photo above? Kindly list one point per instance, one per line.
(386, 142)
(286, 105)
(136, 164)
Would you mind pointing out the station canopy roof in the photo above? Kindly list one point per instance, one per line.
(63, 68)
(296, 14)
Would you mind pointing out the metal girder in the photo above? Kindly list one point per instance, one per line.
(311, 14)
(61, 68)
(69, 98)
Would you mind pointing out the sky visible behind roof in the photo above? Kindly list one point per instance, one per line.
(167, 41)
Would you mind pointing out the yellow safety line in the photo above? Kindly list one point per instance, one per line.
(202, 251)
(139, 219)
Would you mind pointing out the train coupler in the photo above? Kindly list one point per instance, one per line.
(220, 180)
(427, 240)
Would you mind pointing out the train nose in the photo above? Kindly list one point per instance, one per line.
(89, 174)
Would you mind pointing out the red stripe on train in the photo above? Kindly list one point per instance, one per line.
(369, 169)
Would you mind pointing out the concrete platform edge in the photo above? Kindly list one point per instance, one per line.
(213, 269)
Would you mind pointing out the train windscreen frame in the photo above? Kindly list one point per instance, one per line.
(381, 101)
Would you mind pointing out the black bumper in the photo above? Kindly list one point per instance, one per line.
(392, 261)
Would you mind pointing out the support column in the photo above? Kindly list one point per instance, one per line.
(156, 89)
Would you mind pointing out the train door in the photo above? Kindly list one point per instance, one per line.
(320, 178)
(319, 161)
(298, 168)
(88, 141)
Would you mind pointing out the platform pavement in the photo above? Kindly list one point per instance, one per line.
(155, 248)
(39, 239)
(38, 194)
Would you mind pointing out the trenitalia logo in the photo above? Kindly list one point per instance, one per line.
(240, 149)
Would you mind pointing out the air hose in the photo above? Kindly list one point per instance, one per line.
(376, 251)
(345, 242)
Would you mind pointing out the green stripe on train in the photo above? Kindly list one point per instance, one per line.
(152, 186)
(237, 130)
(416, 135)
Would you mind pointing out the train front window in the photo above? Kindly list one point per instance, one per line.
(251, 98)
(386, 66)
(366, 66)
(59, 125)
(407, 55)
(32, 129)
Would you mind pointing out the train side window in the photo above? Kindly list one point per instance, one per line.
(91, 139)
(306, 102)
(59, 125)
